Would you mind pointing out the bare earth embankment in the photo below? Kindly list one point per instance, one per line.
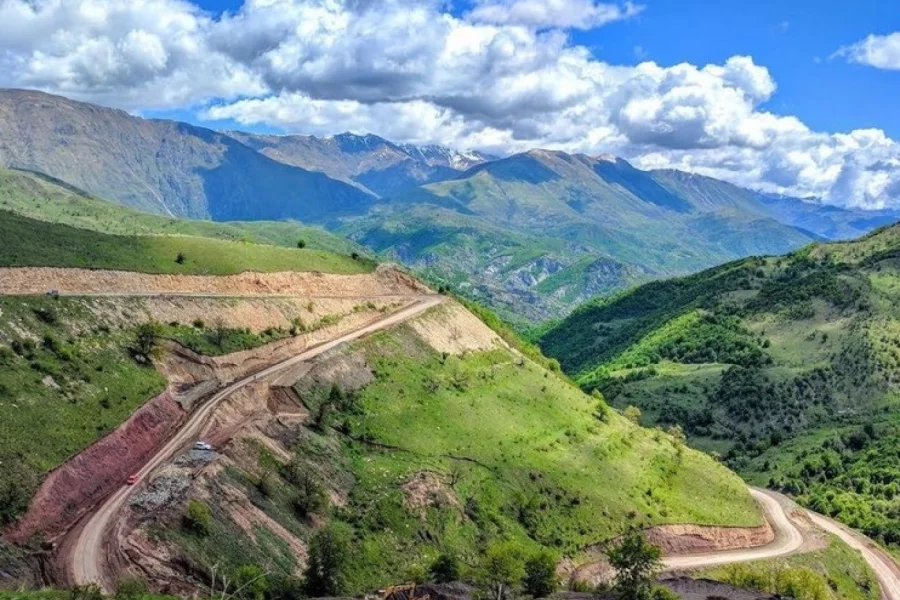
(385, 281)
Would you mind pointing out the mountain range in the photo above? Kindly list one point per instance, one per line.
(533, 234)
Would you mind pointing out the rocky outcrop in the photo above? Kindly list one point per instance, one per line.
(695, 539)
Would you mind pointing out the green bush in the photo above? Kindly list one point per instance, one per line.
(198, 518)
(250, 583)
(503, 567)
(146, 341)
(540, 575)
(446, 568)
(636, 563)
(329, 554)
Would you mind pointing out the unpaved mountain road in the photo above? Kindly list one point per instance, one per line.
(886, 569)
(86, 555)
(788, 539)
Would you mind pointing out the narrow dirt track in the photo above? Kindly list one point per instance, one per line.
(885, 568)
(86, 557)
(787, 539)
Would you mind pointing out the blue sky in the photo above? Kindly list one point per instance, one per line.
(792, 38)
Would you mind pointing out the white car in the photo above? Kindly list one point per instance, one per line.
(202, 446)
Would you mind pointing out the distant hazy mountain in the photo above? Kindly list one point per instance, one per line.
(830, 222)
(163, 166)
(371, 162)
(536, 233)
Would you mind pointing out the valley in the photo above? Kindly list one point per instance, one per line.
(215, 382)
(357, 401)
(784, 366)
(532, 235)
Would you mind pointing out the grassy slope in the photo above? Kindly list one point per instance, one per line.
(45, 199)
(25, 245)
(519, 451)
(57, 395)
(835, 571)
(785, 365)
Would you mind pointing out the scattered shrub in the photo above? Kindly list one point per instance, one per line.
(540, 575)
(329, 553)
(446, 568)
(198, 518)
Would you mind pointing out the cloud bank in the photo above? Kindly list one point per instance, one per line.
(502, 76)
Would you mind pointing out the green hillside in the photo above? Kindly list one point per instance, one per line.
(508, 451)
(40, 197)
(786, 366)
(25, 245)
(536, 234)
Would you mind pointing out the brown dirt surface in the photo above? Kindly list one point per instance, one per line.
(453, 329)
(255, 314)
(385, 281)
(73, 488)
(693, 539)
(427, 488)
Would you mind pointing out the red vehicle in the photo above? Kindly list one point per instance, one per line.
(132, 479)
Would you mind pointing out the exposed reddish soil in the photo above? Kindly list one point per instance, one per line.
(38, 280)
(696, 539)
(674, 540)
(76, 486)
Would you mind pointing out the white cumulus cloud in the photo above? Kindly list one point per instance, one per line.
(503, 77)
(580, 14)
(879, 51)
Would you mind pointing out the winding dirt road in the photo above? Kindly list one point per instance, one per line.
(885, 568)
(87, 555)
(788, 539)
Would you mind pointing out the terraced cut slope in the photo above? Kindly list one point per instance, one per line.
(434, 436)
(785, 366)
(68, 369)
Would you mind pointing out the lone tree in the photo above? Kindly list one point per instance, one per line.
(301, 244)
(540, 574)
(503, 567)
(146, 341)
(329, 551)
(636, 563)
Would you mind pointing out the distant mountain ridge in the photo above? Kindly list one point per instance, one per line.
(162, 166)
(368, 161)
(533, 234)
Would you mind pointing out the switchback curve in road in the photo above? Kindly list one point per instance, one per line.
(788, 539)
(86, 556)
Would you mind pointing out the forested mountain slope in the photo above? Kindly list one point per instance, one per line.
(788, 366)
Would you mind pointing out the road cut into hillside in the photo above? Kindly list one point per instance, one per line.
(86, 551)
(384, 281)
